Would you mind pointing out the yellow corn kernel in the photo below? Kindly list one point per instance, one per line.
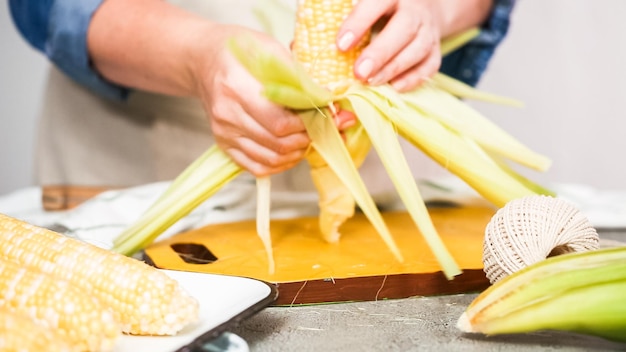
(317, 26)
(144, 300)
(314, 46)
(55, 304)
(19, 332)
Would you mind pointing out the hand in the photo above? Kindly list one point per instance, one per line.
(156, 46)
(406, 51)
(260, 136)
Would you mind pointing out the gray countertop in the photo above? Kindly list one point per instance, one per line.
(411, 324)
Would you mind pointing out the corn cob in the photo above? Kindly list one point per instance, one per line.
(144, 300)
(578, 292)
(56, 304)
(19, 332)
(317, 23)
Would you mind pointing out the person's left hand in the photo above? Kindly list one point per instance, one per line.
(406, 51)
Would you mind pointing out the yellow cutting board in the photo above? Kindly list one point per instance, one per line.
(359, 267)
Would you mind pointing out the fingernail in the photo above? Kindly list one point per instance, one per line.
(345, 41)
(365, 68)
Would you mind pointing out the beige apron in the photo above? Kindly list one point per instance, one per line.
(88, 144)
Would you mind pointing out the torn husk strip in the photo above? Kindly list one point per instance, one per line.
(263, 186)
(456, 41)
(384, 138)
(456, 152)
(462, 90)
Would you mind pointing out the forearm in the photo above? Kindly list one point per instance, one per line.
(460, 15)
(148, 45)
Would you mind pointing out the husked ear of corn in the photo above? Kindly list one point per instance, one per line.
(55, 304)
(578, 292)
(143, 300)
(19, 332)
(314, 47)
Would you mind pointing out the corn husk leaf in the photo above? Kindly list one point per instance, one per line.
(454, 151)
(263, 186)
(285, 83)
(463, 119)
(197, 183)
(579, 292)
(462, 90)
(385, 140)
(456, 41)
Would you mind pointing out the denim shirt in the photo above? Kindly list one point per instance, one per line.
(58, 28)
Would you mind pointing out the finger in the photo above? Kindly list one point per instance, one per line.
(269, 157)
(400, 32)
(413, 77)
(344, 119)
(277, 129)
(363, 16)
(386, 49)
(265, 143)
(274, 118)
(260, 145)
(417, 53)
(262, 162)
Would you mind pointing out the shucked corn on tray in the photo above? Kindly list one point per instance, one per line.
(85, 298)
(224, 301)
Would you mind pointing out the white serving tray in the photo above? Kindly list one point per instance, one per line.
(224, 301)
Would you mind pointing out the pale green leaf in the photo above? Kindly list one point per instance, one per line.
(465, 120)
(462, 90)
(196, 185)
(455, 152)
(385, 140)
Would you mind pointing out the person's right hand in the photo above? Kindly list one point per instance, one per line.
(262, 137)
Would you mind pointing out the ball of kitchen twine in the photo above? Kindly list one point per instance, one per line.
(530, 229)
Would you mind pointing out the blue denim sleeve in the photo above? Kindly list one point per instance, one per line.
(58, 28)
(469, 62)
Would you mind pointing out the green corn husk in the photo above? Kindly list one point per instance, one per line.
(577, 292)
(205, 176)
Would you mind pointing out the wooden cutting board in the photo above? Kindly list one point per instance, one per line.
(359, 267)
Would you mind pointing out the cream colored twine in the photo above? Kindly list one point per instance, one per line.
(530, 229)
